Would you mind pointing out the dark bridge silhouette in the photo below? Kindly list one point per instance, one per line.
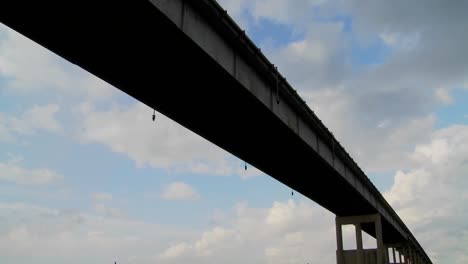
(191, 62)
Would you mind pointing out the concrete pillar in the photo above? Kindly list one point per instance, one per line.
(359, 242)
(393, 253)
(399, 255)
(387, 254)
(379, 237)
(410, 252)
(358, 256)
(408, 255)
(339, 242)
(404, 255)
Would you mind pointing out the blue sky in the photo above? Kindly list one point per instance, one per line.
(394, 93)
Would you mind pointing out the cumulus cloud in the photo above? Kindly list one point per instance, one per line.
(317, 61)
(283, 233)
(278, 11)
(382, 112)
(354, 100)
(161, 144)
(432, 196)
(435, 59)
(286, 232)
(11, 171)
(28, 68)
(107, 211)
(179, 191)
(36, 119)
(102, 197)
(54, 236)
(443, 95)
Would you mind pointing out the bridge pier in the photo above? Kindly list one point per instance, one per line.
(405, 253)
(414, 257)
(400, 253)
(360, 255)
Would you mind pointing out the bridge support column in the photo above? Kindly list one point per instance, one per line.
(401, 253)
(359, 247)
(404, 252)
(410, 255)
(360, 255)
(339, 243)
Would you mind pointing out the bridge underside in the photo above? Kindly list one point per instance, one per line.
(134, 47)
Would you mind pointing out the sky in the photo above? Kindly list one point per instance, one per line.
(87, 177)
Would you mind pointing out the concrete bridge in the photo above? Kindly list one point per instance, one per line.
(190, 61)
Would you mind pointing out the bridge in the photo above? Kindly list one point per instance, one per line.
(191, 62)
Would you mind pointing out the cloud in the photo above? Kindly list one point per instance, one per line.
(204, 247)
(317, 61)
(431, 197)
(12, 172)
(383, 112)
(54, 236)
(353, 99)
(37, 118)
(107, 211)
(436, 57)
(283, 233)
(179, 191)
(277, 11)
(161, 144)
(28, 68)
(250, 235)
(101, 197)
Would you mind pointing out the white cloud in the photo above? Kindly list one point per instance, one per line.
(176, 251)
(399, 94)
(38, 118)
(284, 233)
(107, 211)
(354, 99)
(163, 143)
(160, 144)
(12, 172)
(317, 61)
(431, 197)
(249, 236)
(400, 42)
(209, 242)
(30, 68)
(102, 197)
(444, 96)
(278, 11)
(179, 191)
(54, 236)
